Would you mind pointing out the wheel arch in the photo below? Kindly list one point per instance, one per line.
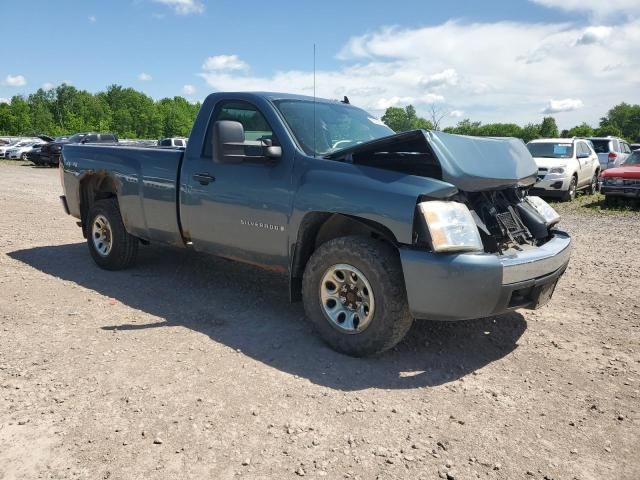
(95, 187)
(317, 228)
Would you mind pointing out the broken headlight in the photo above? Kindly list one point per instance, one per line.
(450, 226)
(545, 210)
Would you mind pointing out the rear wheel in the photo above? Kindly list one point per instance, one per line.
(570, 194)
(111, 247)
(354, 294)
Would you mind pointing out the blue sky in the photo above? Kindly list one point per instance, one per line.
(489, 61)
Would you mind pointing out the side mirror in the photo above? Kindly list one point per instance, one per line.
(230, 146)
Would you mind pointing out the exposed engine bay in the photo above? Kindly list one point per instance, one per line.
(505, 220)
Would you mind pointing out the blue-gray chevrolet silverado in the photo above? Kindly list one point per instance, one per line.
(373, 229)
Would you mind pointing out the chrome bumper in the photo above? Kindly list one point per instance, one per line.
(537, 261)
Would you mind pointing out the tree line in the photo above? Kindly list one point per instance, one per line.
(623, 120)
(132, 114)
(123, 111)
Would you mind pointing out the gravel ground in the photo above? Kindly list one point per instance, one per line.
(194, 367)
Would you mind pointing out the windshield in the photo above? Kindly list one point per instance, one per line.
(633, 159)
(550, 150)
(337, 126)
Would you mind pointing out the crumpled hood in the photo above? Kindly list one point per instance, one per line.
(475, 164)
(472, 164)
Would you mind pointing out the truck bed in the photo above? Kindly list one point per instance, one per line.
(147, 185)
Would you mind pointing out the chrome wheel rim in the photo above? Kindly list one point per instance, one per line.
(347, 298)
(101, 235)
(572, 189)
(594, 184)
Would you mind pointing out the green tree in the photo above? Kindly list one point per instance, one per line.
(530, 131)
(405, 119)
(624, 119)
(549, 128)
(582, 130)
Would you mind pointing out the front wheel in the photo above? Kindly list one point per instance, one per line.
(570, 194)
(24, 157)
(110, 245)
(593, 187)
(354, 294)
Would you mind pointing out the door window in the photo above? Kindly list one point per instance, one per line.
(254, 124)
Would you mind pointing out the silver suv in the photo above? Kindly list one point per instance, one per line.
(612, 151)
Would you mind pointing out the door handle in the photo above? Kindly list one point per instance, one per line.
(203, 178)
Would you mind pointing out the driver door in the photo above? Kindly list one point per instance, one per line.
(238, 210)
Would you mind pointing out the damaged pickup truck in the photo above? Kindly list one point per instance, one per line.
(372, 229)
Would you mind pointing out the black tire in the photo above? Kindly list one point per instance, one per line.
(593, 187)
(123, 247)
(570, 194)
(24, 157)
(380, 264)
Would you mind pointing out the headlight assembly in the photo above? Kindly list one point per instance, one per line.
(450, 226)
(545, 210)
(556, 170)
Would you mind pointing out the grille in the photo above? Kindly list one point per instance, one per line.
(513, 226)
(632, 182)
(507, 221)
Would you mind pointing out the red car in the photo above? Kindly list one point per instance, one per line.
(623, 181)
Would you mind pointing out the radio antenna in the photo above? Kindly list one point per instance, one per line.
(314, 100)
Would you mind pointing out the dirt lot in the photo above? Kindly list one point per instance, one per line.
(195, 367)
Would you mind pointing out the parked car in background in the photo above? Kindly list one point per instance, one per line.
(20, 150)
(623, 181)
(6, 147)
(34, 155)
(635, 146)
(50, 153)
(172, 142)
(565, 165)
(612, 151)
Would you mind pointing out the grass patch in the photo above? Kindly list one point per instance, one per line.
(596, 204)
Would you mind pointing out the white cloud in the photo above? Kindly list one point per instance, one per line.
(445, 77)
(183, 7)
(501, 71)
(188, 90)
(92, 18)
(5, 100)
(15, 81)
(456, 113)
(224, 62)
(47, 86)
(600, 8)
(594, 35)
(564, 105)
(145, 77)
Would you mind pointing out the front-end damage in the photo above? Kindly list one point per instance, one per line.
(449, 275)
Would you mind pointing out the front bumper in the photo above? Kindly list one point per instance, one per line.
(620, 191)
(551, 184)
(467, 285)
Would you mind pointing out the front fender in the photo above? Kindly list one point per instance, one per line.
(385, 197)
